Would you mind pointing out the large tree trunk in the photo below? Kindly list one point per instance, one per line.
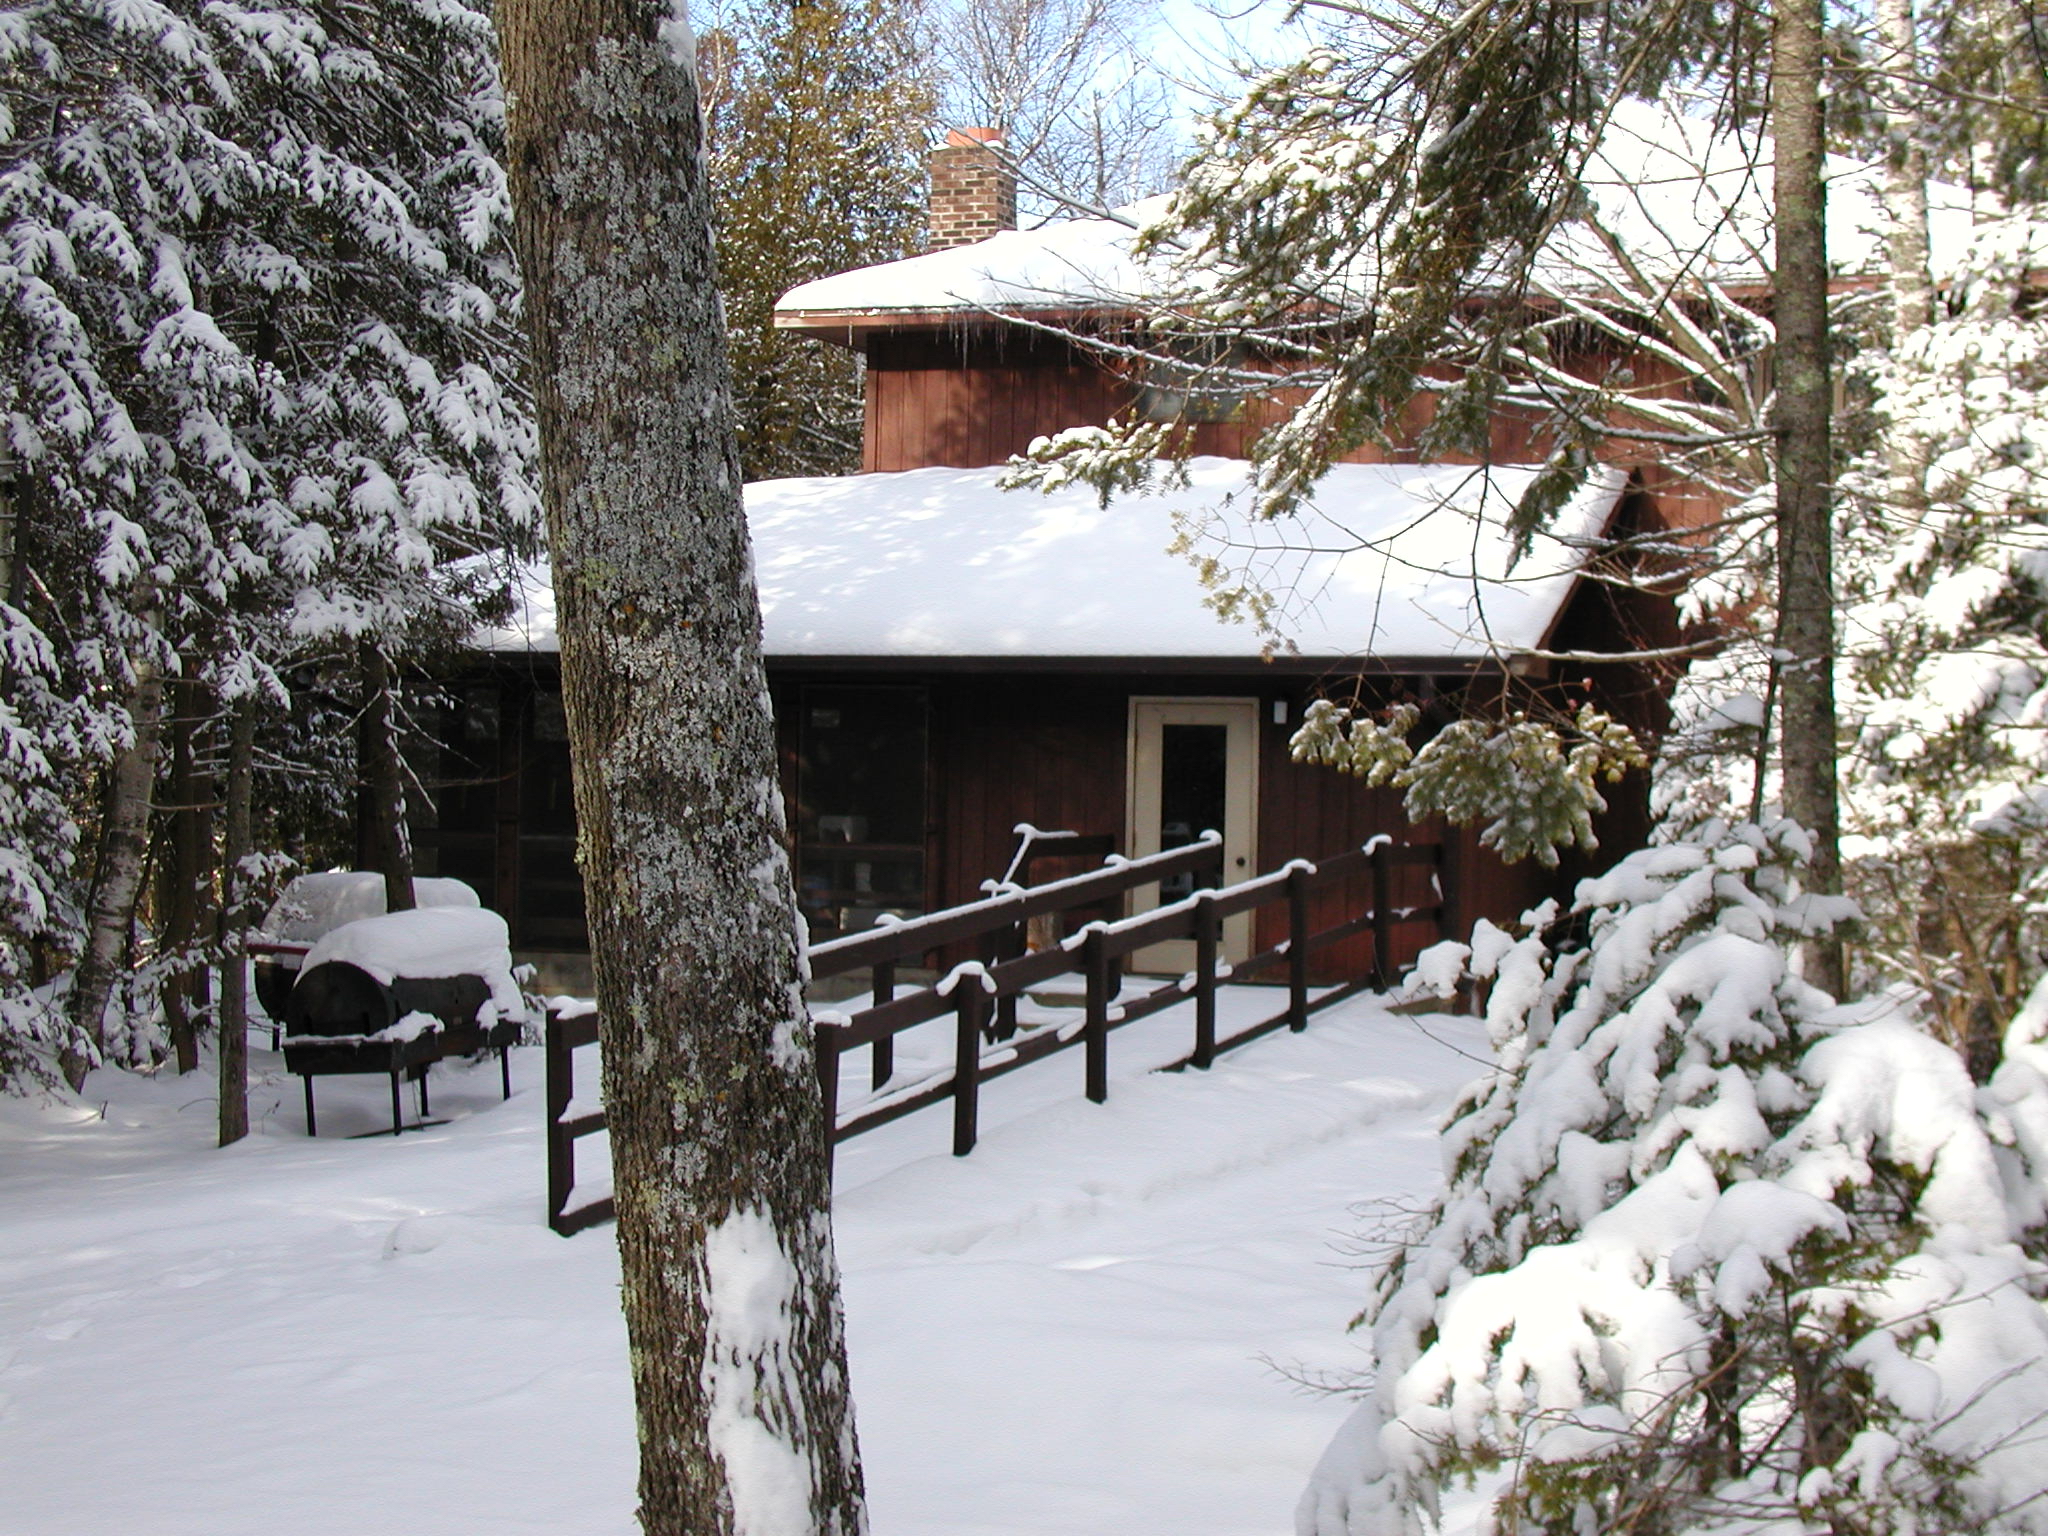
(234, 923)
(719, 1146)
(387, 848)
(117, 876)
(1805, 468)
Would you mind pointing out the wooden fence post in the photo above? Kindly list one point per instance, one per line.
(1095, 1029)
(1297, 949)
(1208, 929)
(969, 1002)
(1382, 918)
(882, 989)
(1006, 944)
(560, 1067)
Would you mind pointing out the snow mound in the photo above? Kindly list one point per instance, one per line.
(313, 904)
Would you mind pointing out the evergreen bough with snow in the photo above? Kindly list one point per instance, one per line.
(260, 390)
(1716, 1255)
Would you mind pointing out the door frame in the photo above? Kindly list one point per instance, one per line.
(1240, 715)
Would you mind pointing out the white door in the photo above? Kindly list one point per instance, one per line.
(1194, 767)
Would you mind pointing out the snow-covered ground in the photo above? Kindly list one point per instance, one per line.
(1091, 1325)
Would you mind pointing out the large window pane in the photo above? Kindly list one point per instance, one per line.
(860, 806)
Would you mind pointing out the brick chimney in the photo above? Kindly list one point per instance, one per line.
(974, 194)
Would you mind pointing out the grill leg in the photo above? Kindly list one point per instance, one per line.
(423, 1093)
(505, 1068)
(308, 1081)
(397, 1112)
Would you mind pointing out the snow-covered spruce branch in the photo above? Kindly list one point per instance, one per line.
(1714, 1253)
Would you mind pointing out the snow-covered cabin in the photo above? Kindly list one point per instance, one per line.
(949, 660)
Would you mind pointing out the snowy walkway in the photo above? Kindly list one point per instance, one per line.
(1066, 1333)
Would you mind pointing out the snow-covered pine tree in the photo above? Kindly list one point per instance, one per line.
(1945, 679)
(1715, 1255)
(816, 113)
(1946, 682)
(256, 306)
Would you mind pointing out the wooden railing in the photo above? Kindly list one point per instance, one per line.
(562, 1038)
(981, 995)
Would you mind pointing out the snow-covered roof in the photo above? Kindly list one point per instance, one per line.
(1675, 189)
(1062, 265)
(1388, 561)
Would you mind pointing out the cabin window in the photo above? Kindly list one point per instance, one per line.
(458, 837)
(1196, 383)
(860, 806)
(551, 912)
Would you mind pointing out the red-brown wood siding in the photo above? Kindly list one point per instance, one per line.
(1050, 749)
(966, 401)
(973, 396)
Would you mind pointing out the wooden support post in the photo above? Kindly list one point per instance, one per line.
(882, 989)
(1451, 919)
(1382, 919)
(1095, 1029)
(561, 1147)
(1208, 929)
(970, 1004)
(1007, 944)
(1297, 949)
(825, 1052)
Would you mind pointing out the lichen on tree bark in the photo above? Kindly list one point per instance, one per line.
(716, 1121)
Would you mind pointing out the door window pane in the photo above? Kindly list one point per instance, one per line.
(1193, 774)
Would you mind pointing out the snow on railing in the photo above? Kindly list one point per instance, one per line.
(981, 995)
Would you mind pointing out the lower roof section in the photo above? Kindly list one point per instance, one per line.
(1408, 567)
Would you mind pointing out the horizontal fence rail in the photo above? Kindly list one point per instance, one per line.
(981, 995)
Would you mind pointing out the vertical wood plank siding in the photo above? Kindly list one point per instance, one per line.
(972, 396)
(1051, 750)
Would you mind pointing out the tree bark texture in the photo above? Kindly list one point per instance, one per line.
(1905, 193)
(388, 846)
(117, 875)
(1905, 197)
(235, 917)
(1805, 469)
(719, 1146)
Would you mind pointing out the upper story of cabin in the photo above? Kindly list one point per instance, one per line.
(985, 342)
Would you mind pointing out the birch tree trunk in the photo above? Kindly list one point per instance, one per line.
(239, 801)
(1905, 189)
(1805, 465)
(719, 1148)
(1905, 199)
(117, 875)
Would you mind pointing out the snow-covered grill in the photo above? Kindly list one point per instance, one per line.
(397, 993)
